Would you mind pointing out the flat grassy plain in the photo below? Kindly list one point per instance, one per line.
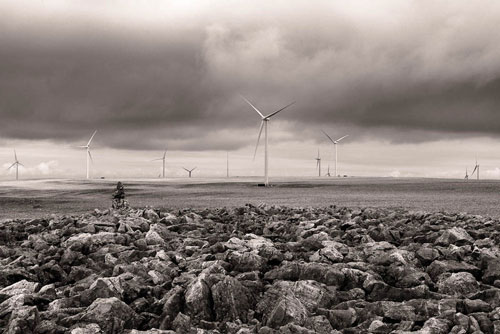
(40, 198)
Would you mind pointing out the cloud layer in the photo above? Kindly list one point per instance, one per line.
(155, 72)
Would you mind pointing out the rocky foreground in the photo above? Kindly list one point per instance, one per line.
(251, 270)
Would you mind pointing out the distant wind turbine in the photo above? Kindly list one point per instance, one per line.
(227, 164)
(335, 142)
(328, 173)
(89, 155)
(476, 167)
(189, 171)
(17, 164)
(163, 159)
(263, 124)
(318, 164)
(466, 174)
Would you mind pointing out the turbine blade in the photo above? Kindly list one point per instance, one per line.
(475, 168)
(341, 138)
(11, 166)
(15, 154)
(255, 108)
(21, 164)
(81, 146)
(277, 111)
(258, 139)
(90, 155)
(187, 170)
(165, 153)
(193, 169)
(328, 137)
(88, 144)
(156, 159)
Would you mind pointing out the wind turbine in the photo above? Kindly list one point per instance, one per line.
(16, 163)
(466, 174)
(162, 158)
(476, 167)
(227, 164)
(318, 164)
(335, 142)
(263, 124)
(189, 171)
(89, 156)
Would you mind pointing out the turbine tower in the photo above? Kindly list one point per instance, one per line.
(318, 164)
(263, 124)
(466, 174)
(162, 158)
(334, 142)
(227, 164)
(17, 164)
(476, 167)
(189, 171)
(89, 155)
(328, 173)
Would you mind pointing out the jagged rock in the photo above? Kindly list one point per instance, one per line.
(230, 300)
(23, 320)
(458, 284)
(456, 235)
(492, 272)
(437, 268)
(199, 300)
(87, 329)
(103, 288)
(246, 261)
(111, 314)
(281, 310)
(182, 324)
(340, 319)
(172, 306)
(21, 287)
(436, 326)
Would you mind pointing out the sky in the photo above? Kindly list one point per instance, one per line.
(415, 85)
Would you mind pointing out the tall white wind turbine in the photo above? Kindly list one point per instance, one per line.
(335, 142)
(318, 164)
(89, 155)
(263, 124)
(16, 164)
(163, 159)
(189, 171)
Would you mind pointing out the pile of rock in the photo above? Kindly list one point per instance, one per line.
(251, 269)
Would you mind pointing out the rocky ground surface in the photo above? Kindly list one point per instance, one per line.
(251, 270)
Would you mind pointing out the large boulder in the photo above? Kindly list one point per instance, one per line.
(231, 300)
(456, 235)
(21, 287)
(111, 314)
(458, 284)
(23, 320)
(492, 272)
(198, 300)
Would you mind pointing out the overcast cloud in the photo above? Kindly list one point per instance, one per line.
(149, 72)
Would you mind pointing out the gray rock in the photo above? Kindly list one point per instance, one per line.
(458, 284)
(23, 320)
(230, 300)
(111, 314)
(456, 235)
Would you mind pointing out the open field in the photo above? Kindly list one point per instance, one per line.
(33, 198)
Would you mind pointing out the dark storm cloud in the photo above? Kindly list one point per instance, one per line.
(431, 70)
